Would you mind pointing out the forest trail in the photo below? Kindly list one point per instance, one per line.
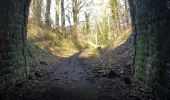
(70, 72)
(72, 80)
(81, 76)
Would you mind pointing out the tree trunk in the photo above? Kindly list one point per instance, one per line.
(13, 21)
(37, 12)
(57, 12)
(75, 19)
(152, 59)
(127, 13)
(75, 15)
(62, 14)
(116, 15)
(48, 14)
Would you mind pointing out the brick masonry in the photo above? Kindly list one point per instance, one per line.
(152, 59)
(12, 41)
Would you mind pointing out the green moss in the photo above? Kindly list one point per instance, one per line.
(142, 53)
(20, 71)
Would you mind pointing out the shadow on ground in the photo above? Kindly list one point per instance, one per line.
(107, 77)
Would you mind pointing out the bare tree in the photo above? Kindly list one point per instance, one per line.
(47, 15)
(127, 11)
(57, 12)
(36, 12)
(77, 6)
(62, 13)
(87, 17)
(114, 4)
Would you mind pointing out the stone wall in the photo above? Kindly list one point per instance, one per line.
(152, 57)
(13, 64)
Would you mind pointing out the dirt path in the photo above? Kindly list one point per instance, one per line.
(70, 71)
(72, 78)
(71, 81)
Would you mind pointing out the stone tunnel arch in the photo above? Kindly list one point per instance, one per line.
(150, 21)
(13, 21)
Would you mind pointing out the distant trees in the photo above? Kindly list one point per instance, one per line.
(114, 21)
(102, 25)
(38, 14)
(57, 12)
(62, 13)
(115, 8)
(75, 11)
(35, 16)
(87, 21)
(120, 14)
(127, 12)
(77, 6)
(48, 14)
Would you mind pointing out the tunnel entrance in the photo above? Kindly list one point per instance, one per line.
(77, 49)
(98, 25)
(83, 50)
(94, 31)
